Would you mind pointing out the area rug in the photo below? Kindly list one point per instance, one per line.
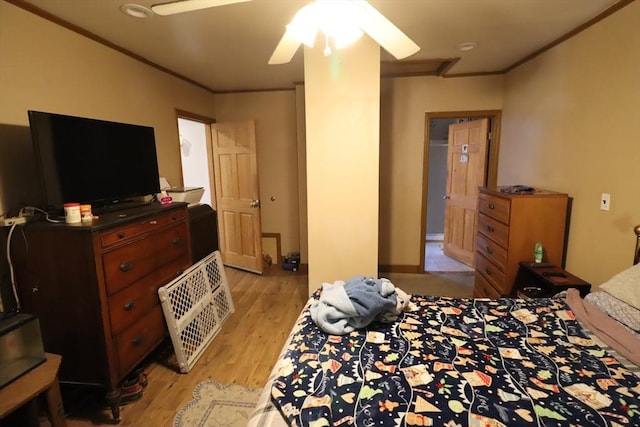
(218, 405)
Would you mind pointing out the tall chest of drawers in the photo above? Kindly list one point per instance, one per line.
(509, 225)
(94, 288)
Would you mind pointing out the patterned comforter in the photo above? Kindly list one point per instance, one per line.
(456, 362)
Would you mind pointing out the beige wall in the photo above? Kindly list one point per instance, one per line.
(342, 115)
(405, 101)
(275, 115)
(46, 67)
(571, 123)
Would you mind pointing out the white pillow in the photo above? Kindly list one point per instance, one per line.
(625, 286)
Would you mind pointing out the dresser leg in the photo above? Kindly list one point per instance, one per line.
(113, 399)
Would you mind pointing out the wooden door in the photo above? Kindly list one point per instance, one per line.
(237, 195)
(466, 171)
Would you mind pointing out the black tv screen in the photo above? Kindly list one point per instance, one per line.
(93, 161)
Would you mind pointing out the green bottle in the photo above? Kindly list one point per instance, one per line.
(537, 252)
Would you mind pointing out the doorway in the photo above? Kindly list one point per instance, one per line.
(194, 157)
(433, 258)
(221, 158)
(194, 132)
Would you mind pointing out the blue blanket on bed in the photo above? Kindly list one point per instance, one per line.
(354, 304)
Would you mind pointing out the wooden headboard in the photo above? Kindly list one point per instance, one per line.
(636, 254)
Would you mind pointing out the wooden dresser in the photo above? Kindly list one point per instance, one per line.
(94, 288)
(509, 225)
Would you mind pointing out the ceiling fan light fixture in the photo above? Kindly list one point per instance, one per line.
(304, 25)
(344, 21)
(346, 36)
(340, 20)
(337, 19)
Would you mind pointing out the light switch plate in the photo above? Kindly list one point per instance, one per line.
(605, 201)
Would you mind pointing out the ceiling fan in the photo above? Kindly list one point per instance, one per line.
(181, 6)
(343, 21)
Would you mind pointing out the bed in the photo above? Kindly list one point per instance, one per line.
(456, 362)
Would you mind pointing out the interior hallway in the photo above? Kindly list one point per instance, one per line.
(436, 261)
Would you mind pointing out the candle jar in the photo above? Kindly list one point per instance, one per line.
(72, 213)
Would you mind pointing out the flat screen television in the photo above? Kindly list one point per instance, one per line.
(91, 161)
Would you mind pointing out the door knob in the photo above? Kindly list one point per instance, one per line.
(255, 203)
(446, 197)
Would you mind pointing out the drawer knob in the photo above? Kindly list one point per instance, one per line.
(489, 250)
(176, 241)
(136, 341)
(490, 228)
(153, 222)
(488, 271)
(492, 206)
(121, 235)
(126, 266)
(130, 305)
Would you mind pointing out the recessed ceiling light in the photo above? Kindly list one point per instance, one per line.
(467, 46)
(136, 11)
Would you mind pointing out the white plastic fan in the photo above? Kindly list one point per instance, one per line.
(331, 17)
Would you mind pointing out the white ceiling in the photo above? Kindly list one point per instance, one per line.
(227, 48)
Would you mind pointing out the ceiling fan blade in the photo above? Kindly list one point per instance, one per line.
(181, 6)
(287, 47)
(385, 33)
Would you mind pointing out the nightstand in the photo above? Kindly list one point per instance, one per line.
(545, 280)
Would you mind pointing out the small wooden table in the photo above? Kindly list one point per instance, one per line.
(20, 395)
(545, 280)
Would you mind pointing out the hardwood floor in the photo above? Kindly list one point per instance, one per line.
(246, 348)
(244, 351)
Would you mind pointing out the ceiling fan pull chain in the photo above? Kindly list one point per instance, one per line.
(327, 49)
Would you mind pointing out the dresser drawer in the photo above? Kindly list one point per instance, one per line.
(494, 230)
(132, 302)
(138, 340)
(495, 207)
(492, 251)
(129, 231)
(129, 263)
(494, 276)
(482, 288)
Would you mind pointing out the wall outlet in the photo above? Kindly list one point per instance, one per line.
(605, 201)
